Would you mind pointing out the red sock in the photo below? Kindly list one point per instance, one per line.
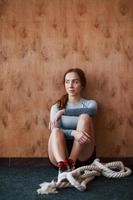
(70, 161)
(62, 166)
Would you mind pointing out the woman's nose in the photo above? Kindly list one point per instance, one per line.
(71, 84)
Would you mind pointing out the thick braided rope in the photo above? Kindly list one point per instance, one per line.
(80, 177)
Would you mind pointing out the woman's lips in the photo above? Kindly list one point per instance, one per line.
(71, 91)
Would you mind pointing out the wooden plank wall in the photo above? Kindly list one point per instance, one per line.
(39, 41)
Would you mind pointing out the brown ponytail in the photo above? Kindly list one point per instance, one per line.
(61, 103)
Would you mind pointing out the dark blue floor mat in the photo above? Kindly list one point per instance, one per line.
(21, 183)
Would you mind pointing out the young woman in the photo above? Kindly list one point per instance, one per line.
(72, 137)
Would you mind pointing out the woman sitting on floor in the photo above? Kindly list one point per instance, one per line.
(72, 136)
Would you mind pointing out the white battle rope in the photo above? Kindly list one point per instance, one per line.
(80, 177)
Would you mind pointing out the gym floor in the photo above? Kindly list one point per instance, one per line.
(21, 183)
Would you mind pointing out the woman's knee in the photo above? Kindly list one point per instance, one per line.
(57, 132)
(85, 117)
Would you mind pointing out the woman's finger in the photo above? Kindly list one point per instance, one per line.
(86, 134)
(52, 124)
(55, 123)
(85, 139)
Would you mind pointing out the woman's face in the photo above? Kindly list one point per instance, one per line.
(72, 84)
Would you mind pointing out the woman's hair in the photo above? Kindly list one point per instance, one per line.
(61, 103)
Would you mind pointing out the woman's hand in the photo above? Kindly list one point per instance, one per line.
(81, 136)
(54, 121)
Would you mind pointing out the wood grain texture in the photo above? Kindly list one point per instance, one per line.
(39, 41)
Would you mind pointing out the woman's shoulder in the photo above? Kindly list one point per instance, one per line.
(89, 102)
(54, 107)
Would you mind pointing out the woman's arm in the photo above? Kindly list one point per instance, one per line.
(92, 104)
(55, 115)
(90, 108)
(79, 111)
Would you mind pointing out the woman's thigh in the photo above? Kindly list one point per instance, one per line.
(53, 145)
(50, 152)
(87, 151)
(88, 161)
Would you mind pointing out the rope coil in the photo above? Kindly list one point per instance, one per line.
(80, 177)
